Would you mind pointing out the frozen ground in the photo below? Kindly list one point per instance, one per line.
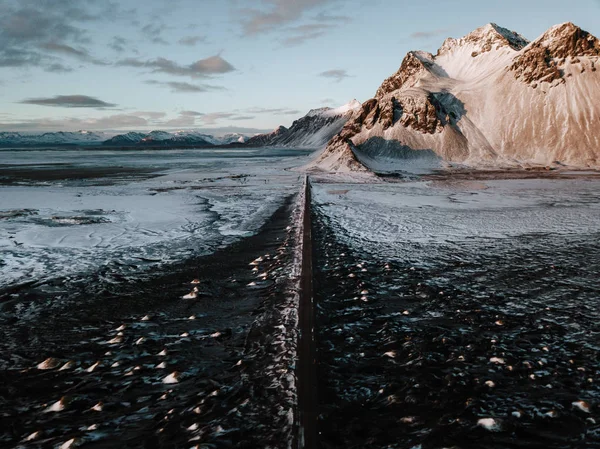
(65, 211)
(458, 313)
(389, 218)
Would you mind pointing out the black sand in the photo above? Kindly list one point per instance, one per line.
(224, 397)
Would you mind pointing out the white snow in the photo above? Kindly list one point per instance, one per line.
(351, 106)
(172, 378)
(399, 214)
(489, 424)
(192, 207)
(582, 405)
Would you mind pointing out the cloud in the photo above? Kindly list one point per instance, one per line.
(280, 111)
(12, 57)
(118, 44)
(336, 74)
(213, 65)
(277, 14)
(150, 114)
(182, 120)
(57, 67)
(282, 14)
(153, 32)
(69, 101)
(300, 34)
(181, 87)
(214, 117)
(118, 121)
(191, 113)
(77, 53)
(115, 122)
(428, 34)
(30, 24)
(27, 26)
(243, 117)
(192, 40)
(324, 17)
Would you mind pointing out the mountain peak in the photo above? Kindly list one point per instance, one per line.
(568, 40)
(485, 39)
(333, 112)
(544, 59)
(413, 65)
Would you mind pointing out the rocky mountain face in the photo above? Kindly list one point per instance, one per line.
(313, 130)
(263, 140)
(490, 98)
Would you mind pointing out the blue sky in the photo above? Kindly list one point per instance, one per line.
(225, 64)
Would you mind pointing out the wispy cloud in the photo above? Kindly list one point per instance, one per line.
(242, 117)
(191, 113)
(119, 44)
(337, 74)
(335, 18)
(278, 111)
(155, 115)
(182, 87)
(428, 34)
(36, 33)
(284, 16)
(69, 101)
(78, 53)
(213, 65)
(213, 118)
(276, 13)
(181, 121)
(117, 121)
(154, 31)
(192, 40)
(302, 33)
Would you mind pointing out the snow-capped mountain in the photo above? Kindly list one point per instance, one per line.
(232, 138)
(51, 138)
(268, 138)
(162, 138)
(313, 130)
(130, 138)
(490, 98)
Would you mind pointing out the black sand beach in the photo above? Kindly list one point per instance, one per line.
(110, 337)
(494, 346)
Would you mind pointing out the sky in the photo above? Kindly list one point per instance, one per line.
(225, 65)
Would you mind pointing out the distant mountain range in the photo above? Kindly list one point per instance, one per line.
(313, 130)
(172, 139)
(489, 99)
(14, 139)
(130, 139)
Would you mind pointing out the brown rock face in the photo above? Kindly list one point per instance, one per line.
(572, 41)
(406, 76)
(542, 60)
(536, 65)
(425, 114)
